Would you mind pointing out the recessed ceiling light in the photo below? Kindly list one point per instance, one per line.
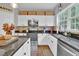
(14, 5)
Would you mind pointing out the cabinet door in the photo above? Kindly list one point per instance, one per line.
(73, 22)
(24, 50)
(45, 41)
(42, 39)
(53, 45)
(73, 11)
(77, 23)
(42, 21)
(77, 10)
(50, 20)
(22, 20)
(27, 48)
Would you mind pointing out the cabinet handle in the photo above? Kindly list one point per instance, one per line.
(51, 41)
(27, 42)
(24, 53)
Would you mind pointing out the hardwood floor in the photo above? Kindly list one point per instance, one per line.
(38, 50)
(44, 51)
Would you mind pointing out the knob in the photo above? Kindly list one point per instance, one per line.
(27, 42)
(51, 41)
(24, 53)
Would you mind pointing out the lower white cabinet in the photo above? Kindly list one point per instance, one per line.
(52, 42)
(24, 50)
(42, 40)
(47, 39)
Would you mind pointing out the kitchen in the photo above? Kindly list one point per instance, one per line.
(39, 29)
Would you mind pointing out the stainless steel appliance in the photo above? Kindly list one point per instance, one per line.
(33, 26)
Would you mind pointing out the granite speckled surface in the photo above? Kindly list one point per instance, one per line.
(70, 41)
(10, 49)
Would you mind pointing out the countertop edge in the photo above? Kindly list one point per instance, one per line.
(67, 43)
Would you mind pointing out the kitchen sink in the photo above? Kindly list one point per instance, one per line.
(9, 41)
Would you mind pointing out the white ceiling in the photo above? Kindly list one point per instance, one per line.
(36, 6)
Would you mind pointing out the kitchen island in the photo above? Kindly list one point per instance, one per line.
(12, 48)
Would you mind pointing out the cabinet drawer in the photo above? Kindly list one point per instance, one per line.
(53, 45)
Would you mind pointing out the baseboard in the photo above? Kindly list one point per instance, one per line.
(43, 46)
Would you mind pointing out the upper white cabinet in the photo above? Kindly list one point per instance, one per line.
(68, 19)
(42, 20)
(22, 20)
(50, 21)
(46, 20)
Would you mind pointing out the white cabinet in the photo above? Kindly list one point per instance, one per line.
(68, 19)
(47, 39)
(46, 20)
(20, 52)
(53, 44)
(42, 40)
(50, 20)
(22, 20)
(24, 50)
(27, 47)
(42, 20)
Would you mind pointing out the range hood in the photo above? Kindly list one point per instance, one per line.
(32, 23)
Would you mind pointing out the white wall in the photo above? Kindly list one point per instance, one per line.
(42, 20)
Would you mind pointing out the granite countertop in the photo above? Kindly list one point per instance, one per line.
(74, 43)
(10, 49)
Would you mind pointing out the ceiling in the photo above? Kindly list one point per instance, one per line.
(36, 6)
